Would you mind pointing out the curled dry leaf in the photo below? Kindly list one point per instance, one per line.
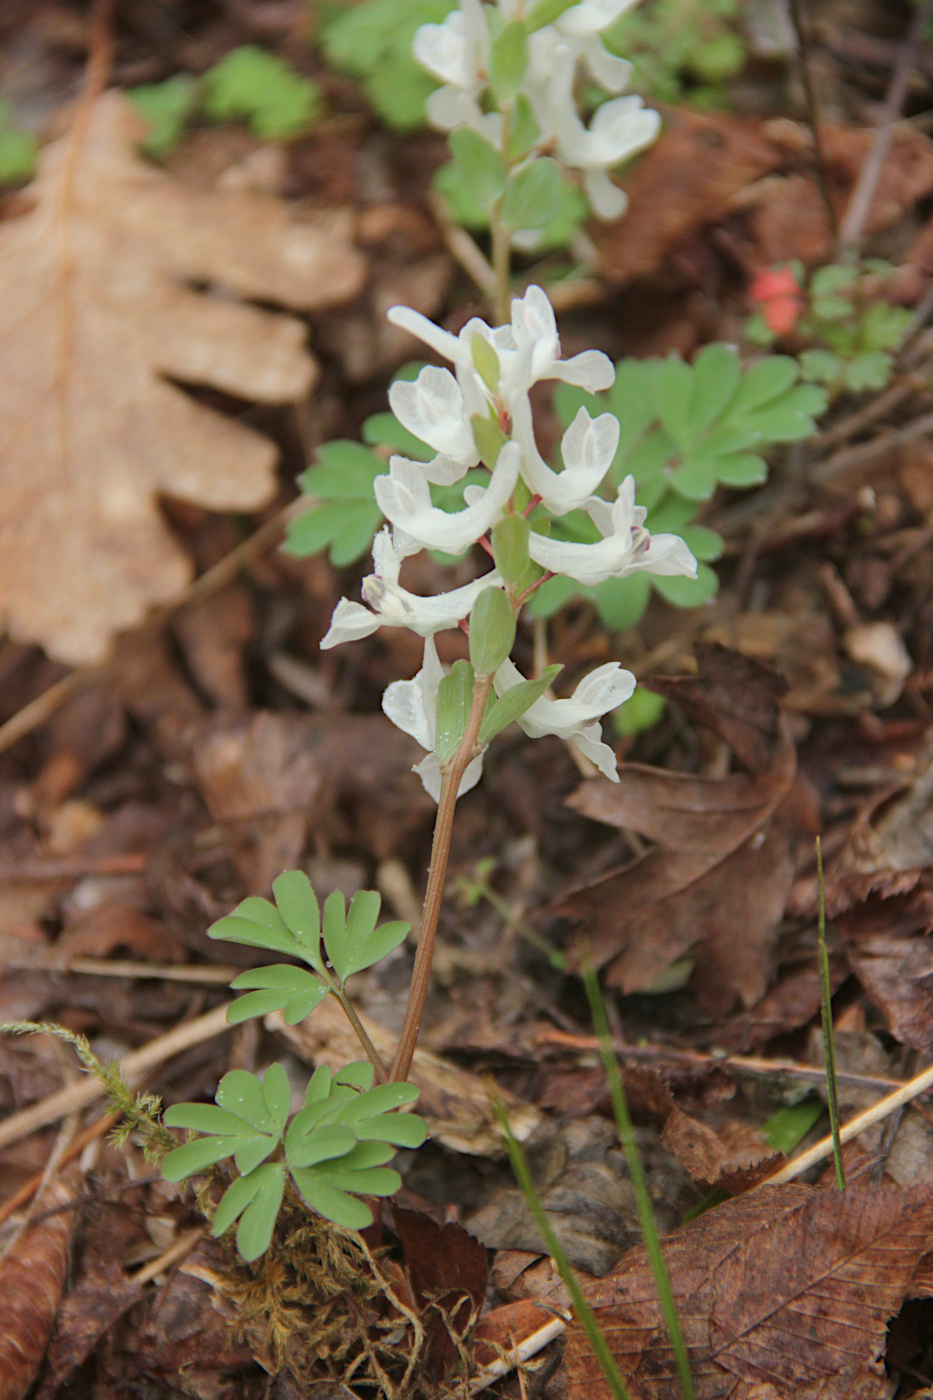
(448, 1273)
(724, 858)
(32, 1276)
(99, 312)
(735, 1159)
(784, 1293)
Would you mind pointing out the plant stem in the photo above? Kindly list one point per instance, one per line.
(501, 237)
(372, 1053)
(826, 1016)
(437, 873)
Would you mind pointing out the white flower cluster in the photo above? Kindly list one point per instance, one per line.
(457, 53)
(439, 407)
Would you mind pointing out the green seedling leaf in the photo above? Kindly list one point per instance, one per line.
(479, 164)
(358, 1073)
(508, 61)
(334, 924)
(532, 195)
(332, 1203)
(821, 366)
(454, 699)
(641, 711)
(253, 85)
(689, 592)
(716, 377)
(674, 397)
(258, 924)
(512, 705)
(492, 631)
(621, 602)
(361, 923)
(282, 988)
(197, 1156)
(343, 480)
(872, 370)
(762, 383)
(241, 1093)
(741, 469)
(318, 1144)
(256, 1199)
(382, 941)
(297, 903)
(166, 107)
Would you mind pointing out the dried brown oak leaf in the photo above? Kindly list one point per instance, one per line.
(783, 1294)
(101, 306)
(721, 871)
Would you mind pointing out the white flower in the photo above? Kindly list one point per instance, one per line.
(404, 499)
(432, 407)
(394, 606)
(591, 16)
(412, 707)
(528, 350)
(588, 447)
(457, 51)
(576, 719)
(625, 548)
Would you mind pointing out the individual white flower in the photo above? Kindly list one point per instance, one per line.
(391, 605)
(412, 707)
(626, 546)
(432, 407)
(457, 51)
(577, 718)
(587, 447)
(619, 129)
(528, 350)
(405, 500)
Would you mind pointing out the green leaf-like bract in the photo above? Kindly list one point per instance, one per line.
(513, 704)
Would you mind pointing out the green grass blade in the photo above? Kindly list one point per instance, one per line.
(646, 1218)
(580, 1306)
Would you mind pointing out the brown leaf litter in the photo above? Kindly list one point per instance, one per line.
(98, 283)
(783, 1293)
(724, 853)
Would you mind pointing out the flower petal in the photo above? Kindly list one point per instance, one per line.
(405, 500)
(350, 622)
(432, 408)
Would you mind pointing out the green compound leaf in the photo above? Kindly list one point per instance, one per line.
(345, 515)
(298, 906)
(621, 602)
(454, 699)
(480, 166)
(689, 592)
(255, 1199)
(508, 708)
(532, 195)
(166, 107)
(642, 710)
(253, 85)
(282, 987)
(258, 924)
(247, 1124)
(373, 41)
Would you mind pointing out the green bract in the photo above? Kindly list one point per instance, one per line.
(492, 631)
(336, 1145)
(351, 942)
(454, 697)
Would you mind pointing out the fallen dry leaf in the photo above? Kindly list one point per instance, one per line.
(448, 1273)
(783, 1294)
(32, 1276)
(100, 311)
(702, 161)
(723, 865)
(891, 952)
(735, 1159)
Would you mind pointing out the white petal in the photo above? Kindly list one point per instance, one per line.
(589, 742)
(591, 16)
(625, 127)
(350, 622)
(441, 49)
(432, 408)
(611, 72)
(669, 556)
(422, 329)
(403, 702)
(588, 449)
(590, 370)
(429, 771)
(405, 500)
(607, 200)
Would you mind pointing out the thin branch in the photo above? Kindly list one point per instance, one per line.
(859, 208)
(813, 116)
